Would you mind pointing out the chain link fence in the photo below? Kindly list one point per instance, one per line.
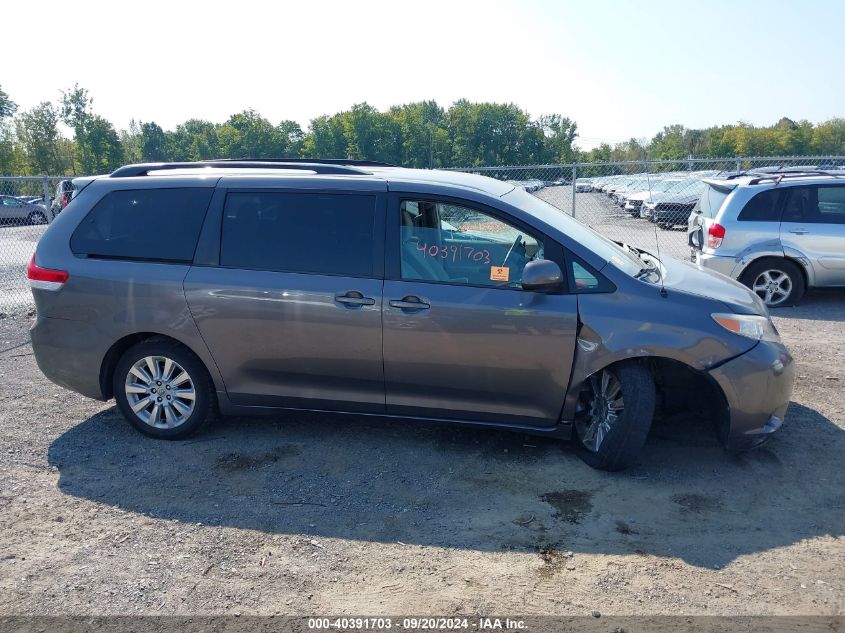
(643, 203)
(27, 205)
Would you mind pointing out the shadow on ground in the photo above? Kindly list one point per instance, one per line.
(817, 305)
(384, 481)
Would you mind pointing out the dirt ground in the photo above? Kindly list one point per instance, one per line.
(305, 514)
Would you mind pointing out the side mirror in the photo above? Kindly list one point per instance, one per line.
(541, 275)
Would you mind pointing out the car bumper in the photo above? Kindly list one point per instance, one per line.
(724, 265)
(757, 387)
(64, 354)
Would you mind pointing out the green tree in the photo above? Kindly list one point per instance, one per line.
(325, 138)
(37, 131)
(153, 143)
(829, 137)
(194, 139)
(7, 136)
(423, 134)
(559, 134)
(492, 134)
(98, 147)
(248, 135)
(7, 106)
(370, 134)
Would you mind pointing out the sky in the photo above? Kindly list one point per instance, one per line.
(620, 69)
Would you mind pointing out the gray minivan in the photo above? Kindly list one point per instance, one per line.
(184, 290)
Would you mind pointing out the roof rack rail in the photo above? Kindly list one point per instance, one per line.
(142, 169)
(313, 161)
(758, 176)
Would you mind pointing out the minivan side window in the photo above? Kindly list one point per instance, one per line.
(816, 205)
(454, 244)
(145, 224)
(764, 207)
(299, 232)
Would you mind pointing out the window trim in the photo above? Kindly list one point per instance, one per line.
(553, 251)
(211, 238)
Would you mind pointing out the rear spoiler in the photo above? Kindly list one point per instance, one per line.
(80, 183)
(721, 185)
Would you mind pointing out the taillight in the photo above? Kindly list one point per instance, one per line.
(715, 235)
(66, 199)
(44, 278)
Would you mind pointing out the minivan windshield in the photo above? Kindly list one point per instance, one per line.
(624, 259)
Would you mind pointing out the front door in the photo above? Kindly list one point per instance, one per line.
(292, 313)
(462, 340)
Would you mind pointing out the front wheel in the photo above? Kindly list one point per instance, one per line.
(163, 389)
(614, 416)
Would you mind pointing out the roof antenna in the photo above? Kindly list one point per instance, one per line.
(663, 292)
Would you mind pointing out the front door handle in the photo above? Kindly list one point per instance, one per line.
(409, 303)
(354, 298)
(798, 231)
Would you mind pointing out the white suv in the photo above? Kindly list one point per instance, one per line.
(778, 233)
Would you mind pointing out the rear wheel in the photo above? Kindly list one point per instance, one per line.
(614, 416)
(163, 389)
(778, 282)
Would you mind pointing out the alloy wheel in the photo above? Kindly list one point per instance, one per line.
(160, 392)
(603, 408)
(773, 287)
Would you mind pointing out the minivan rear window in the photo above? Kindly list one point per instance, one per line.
(144, 224)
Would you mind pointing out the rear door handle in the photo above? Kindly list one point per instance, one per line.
(798, 231)
(410, 303)
(354, 298)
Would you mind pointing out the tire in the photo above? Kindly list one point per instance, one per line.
(625, 436)
(787, 277)
(664, 225)
(37, 217)
(188, 412)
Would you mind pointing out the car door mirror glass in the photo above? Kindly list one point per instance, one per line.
(541, 275)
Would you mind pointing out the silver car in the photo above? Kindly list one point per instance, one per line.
(778, 233)
(17, 211)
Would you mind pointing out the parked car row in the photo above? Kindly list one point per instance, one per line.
(34, 209)
(666, 199)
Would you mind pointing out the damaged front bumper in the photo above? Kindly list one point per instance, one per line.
(757, 387)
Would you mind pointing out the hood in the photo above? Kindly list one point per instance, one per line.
(692, 279)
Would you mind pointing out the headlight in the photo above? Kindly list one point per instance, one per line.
(752, 326)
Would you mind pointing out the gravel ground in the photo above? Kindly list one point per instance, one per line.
(307, 514)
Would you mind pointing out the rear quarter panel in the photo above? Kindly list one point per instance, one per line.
(105, 300)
